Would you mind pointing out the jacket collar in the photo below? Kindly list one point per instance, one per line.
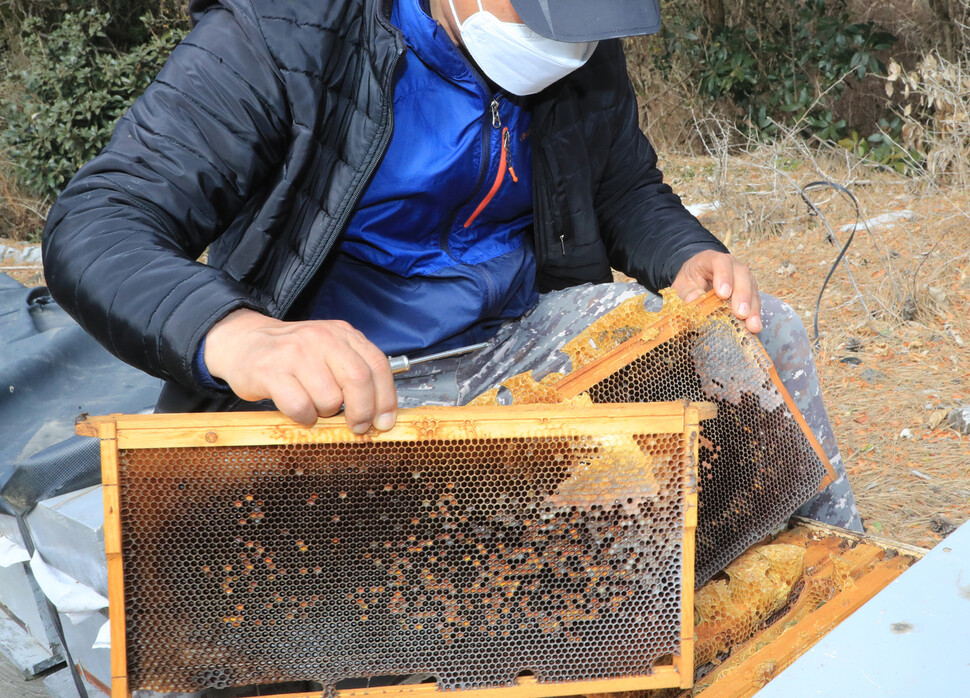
(428, 40)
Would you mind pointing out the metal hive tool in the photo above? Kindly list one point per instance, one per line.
(758, 460)
(521, 551)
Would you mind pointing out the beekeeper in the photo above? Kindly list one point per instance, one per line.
(380, 177)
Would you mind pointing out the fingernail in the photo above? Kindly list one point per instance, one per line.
(385, 421)
(724, 290)
(757, 324)
(743, 309)
(360, 428)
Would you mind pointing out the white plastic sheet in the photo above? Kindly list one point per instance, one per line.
(886, 220)
(103, 640)
(11, 553)
(702, 208)
(75, 600)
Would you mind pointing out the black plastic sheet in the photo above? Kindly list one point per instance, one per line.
(51, 372)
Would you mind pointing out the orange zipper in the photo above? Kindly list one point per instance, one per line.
(504, 164)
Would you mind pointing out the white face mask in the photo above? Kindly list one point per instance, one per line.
(515, 57)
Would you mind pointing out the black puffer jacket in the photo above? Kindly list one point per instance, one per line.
(258, 139)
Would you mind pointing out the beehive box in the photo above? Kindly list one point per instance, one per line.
(778, 599)
(520, 551)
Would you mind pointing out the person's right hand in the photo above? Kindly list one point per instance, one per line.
(308, 369)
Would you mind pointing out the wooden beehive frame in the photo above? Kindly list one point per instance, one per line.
(122, 432)
(663, 330)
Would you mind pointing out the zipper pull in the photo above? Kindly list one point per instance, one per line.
(496, 119)
(504, 163)
(507, 147)
(562, 243)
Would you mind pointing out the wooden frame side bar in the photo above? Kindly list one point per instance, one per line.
(830, 474)
(112, 548)
(485, 413)
(692, 418)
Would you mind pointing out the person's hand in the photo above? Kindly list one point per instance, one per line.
(308, 369)
(729, 279)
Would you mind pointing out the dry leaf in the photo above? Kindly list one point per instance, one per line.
(936, 417)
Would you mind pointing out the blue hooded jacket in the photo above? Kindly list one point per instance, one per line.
(445, 220)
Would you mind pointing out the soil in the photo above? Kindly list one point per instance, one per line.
(892, 354)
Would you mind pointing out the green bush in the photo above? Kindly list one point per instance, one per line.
(125, 29)
(782, 65)
(75, 87)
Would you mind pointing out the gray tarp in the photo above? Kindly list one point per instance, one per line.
(51, 371)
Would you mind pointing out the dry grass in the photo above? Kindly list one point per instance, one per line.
(666, 106)
(935, 95)
(21, 222)
(21, 215)
(895, 318)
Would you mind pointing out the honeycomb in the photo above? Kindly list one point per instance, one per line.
(756, 585)
(778, 599)
(475, 546)
(758, 461)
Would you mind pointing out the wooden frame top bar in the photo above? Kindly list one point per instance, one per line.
(263, 428)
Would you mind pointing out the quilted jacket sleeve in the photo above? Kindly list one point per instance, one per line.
(121, 242)
(648, 232)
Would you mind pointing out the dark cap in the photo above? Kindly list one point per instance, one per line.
(589, 20)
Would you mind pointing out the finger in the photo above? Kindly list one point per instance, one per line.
(692, 295)
(322, 387)
(688, 285)
(292, 399)
(687, 290)
(741, 295)
(754, 322)
(356, 381)
(385, 394)
(722, 274)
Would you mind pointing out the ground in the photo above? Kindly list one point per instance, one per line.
(892, 351)
(12, 684)
(892, 356)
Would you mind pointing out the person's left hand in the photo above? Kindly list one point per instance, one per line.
(729, 279)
